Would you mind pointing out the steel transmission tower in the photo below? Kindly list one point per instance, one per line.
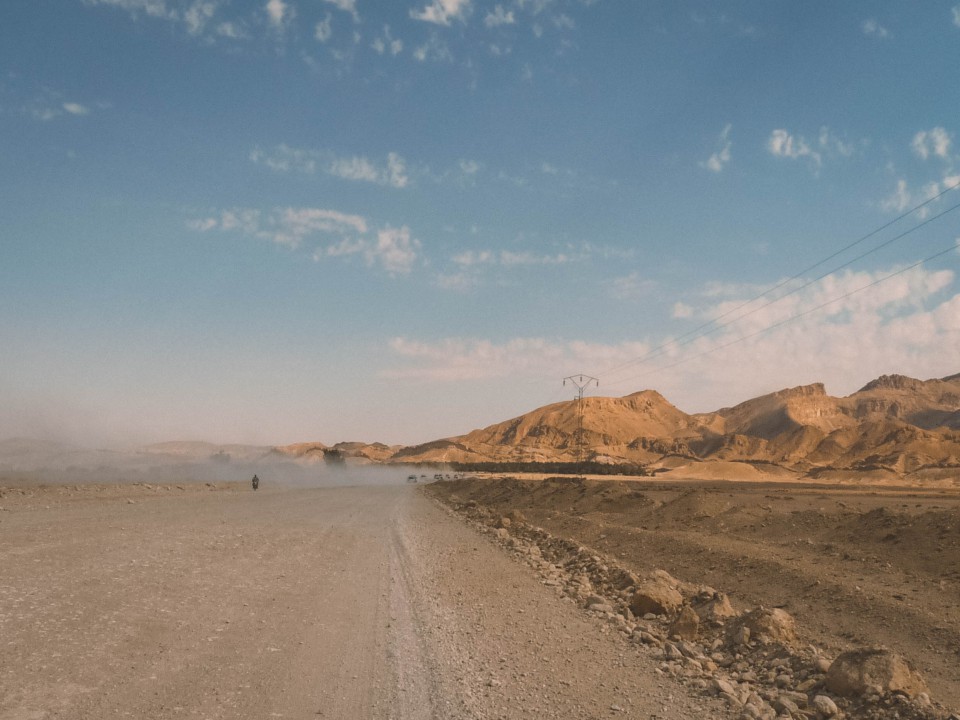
(581, 383)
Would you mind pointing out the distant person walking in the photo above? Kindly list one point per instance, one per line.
(256, 482)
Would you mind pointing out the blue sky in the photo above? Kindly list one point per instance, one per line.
(283, 220)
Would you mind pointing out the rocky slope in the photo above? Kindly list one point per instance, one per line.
(892, 427)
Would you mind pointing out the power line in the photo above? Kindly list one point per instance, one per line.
(700, 331)
(775, 325)
(580, 382)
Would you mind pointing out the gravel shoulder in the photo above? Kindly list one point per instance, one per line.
(855, 566)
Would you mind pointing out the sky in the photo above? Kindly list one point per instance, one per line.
(275, 221)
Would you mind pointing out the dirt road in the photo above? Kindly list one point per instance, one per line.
(352, 602)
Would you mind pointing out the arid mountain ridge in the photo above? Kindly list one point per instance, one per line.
(894, 426)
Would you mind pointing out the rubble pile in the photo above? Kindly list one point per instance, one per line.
(755, 660)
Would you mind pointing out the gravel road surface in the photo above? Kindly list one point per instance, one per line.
(349, 602)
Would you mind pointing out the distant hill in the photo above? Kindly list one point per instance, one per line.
(893, 427)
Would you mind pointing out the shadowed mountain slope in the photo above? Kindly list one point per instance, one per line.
(894, 424)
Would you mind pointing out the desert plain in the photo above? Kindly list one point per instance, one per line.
(399, 600)
(794, 556)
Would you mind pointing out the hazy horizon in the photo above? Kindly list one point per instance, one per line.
(268, 222)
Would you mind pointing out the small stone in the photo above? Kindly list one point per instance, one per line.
(783, 705)
(806, 685)
(824, 706)
(672, 652)
(723, 687)
(516, 516)
(687, 624)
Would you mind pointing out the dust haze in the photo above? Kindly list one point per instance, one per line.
(28, 461)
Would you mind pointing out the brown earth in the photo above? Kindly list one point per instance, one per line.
(855, 566)
(212, 601)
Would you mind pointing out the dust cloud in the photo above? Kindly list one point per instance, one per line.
(27, 461)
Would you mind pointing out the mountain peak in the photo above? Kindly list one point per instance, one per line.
(892, 382)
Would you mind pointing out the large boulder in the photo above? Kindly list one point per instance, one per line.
(770, 625)
(715, 608)
(655, 596)
(858, 672)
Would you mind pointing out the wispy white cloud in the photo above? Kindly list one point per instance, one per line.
(681, 311)
(199, 18)
(151, 8)
(908, 324)
(471, 258)
(783, 144)
(434, 49)
(508, 258)
(833, 145)
(283, 158)
(955, 11)
(498, 16)
(632, 287)
(935, 142)
(348, 6)
(292, 225)
(872, 28)
(329, 233)
(903, 197)
(360, 168)
(458, 282)
(441, 12)
(49, 104)
(514, 259)
(231, 30)
(382, 45)
(324, 29)
(198, 15)
(76, 108)
(395, 250)
(719, 159)
(283, 226)
(278, 13)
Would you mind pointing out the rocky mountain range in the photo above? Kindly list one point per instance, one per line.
(894, 426)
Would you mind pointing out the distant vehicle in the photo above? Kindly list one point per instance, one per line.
(411, 478)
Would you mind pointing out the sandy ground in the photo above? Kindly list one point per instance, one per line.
(359, 602)
(856, 566)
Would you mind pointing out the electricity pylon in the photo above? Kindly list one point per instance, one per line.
(581, 383)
